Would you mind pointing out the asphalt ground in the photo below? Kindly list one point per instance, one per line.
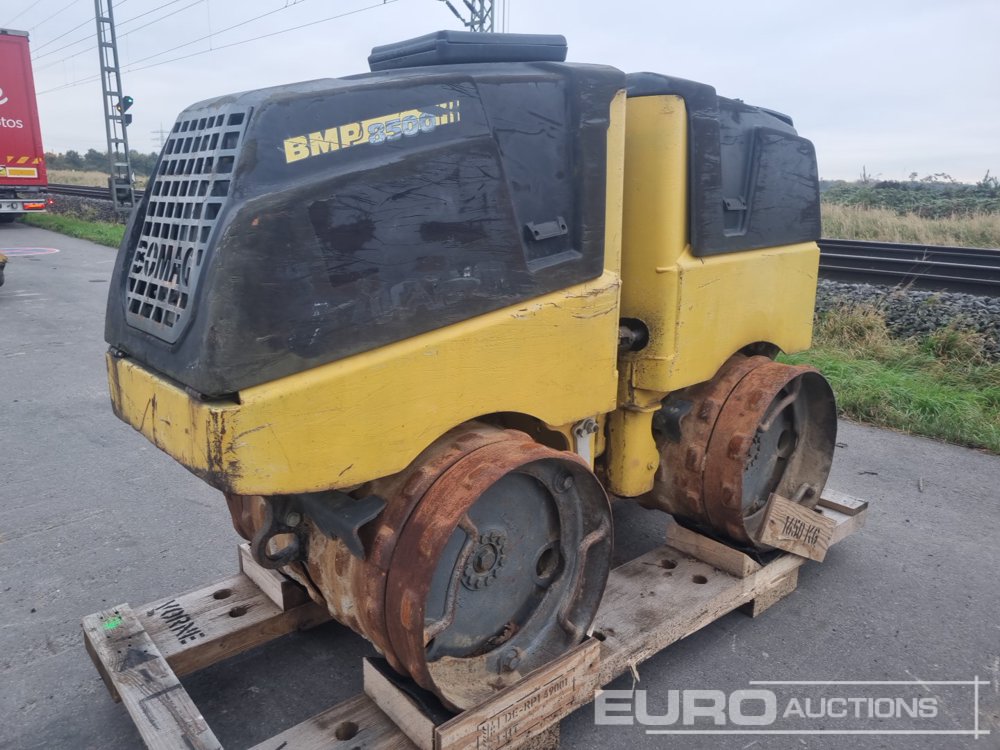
(92, 516)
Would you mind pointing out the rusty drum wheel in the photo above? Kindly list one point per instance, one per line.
(758, 427)
(359, 586)
(499, 569)
(489, 559)
(776, 434)
(683, 428)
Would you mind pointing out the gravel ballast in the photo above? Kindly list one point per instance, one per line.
(914, 312)
(88, 209)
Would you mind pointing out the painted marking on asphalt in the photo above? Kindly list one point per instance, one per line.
(11, 252)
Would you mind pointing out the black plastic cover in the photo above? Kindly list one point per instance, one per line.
(289, 227)
(453, 47)
(753, 180)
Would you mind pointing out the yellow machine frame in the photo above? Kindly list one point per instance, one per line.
(554, 359)
(699, 311)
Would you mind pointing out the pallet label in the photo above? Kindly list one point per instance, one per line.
(179, 622)
(794, 528)
(527, 708)
(507, 724)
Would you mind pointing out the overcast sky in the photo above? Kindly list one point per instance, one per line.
(895, 86)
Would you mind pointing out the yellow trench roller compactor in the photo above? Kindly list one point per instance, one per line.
(417, 324)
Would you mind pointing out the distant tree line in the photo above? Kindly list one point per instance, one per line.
(934, 196)
(94, 160)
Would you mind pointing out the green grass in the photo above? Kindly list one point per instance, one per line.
(940, 387)
(101, 232)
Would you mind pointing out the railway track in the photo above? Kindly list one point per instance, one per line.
(931, 267)
(84, 191)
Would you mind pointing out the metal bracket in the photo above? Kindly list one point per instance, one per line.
(336, 514)
(545, 230)
(668, 419)
(582, 431)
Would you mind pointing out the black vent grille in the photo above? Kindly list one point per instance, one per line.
(186, 197)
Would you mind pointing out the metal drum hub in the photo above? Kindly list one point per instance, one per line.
(485, 561)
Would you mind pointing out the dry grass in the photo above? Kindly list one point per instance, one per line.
(880, 224)
(75, 177)
(857, 330)
(84, 177)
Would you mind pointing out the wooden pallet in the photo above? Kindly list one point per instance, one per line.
(650, 602)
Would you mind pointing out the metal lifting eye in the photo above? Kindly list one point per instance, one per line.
(336, 514)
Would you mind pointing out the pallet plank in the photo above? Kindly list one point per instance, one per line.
(163, 712)
(279, 588)
(716, 554)
(842, 502)
(355, 723)
(404, 711)
(845, 524)
(664, 596)
(650, 602)
(205, 626)
(525, 710)
(770, 595)
(547, 740)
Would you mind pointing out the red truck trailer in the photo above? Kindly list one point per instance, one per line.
(22, 158)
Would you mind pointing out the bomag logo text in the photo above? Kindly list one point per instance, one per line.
(374, 130)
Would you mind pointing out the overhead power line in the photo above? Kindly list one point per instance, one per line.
(228, 28)
(165, 15)
(148, 12)
(50, 17)
(288, 4)
(27, 7)
(90, 38)
(65, 33)
(262, 36)
(130, 69)
(79, 25)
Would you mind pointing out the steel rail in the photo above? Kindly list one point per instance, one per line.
(85, 191)
(930, 267)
